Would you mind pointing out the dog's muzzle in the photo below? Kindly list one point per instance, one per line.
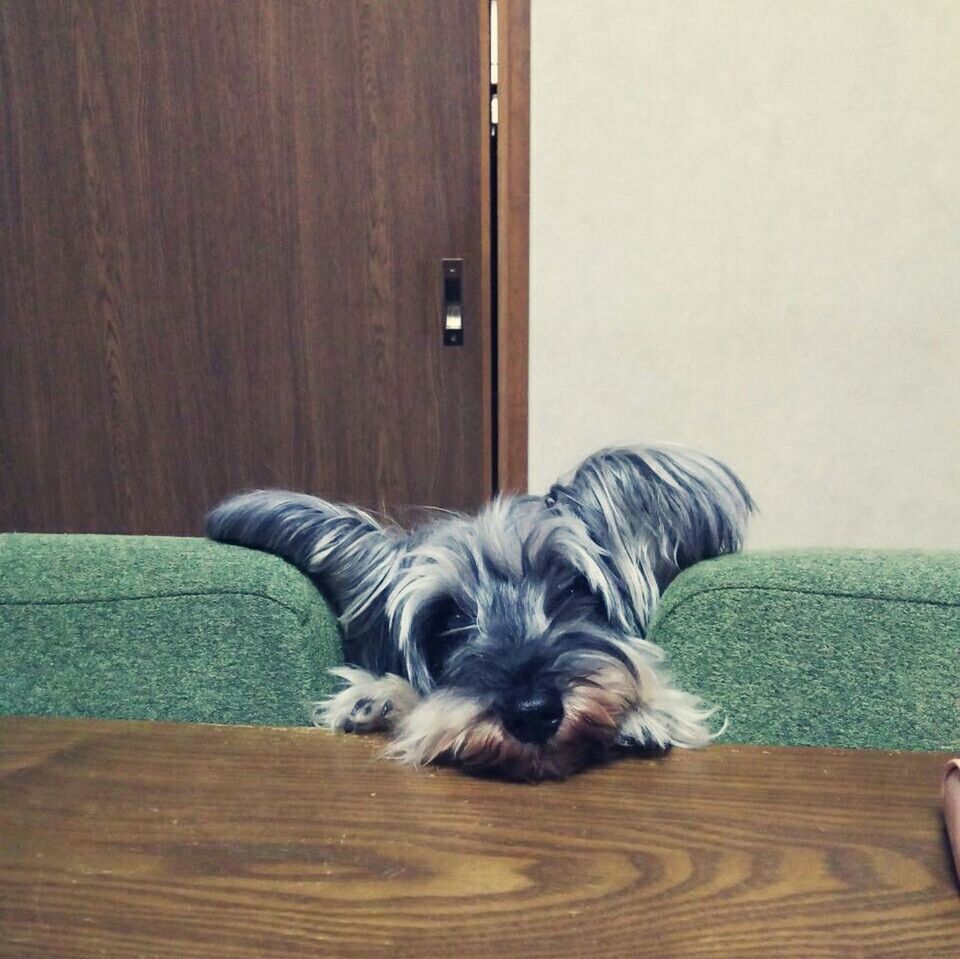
(533, 716)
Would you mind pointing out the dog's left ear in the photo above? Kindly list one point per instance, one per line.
(655, 510)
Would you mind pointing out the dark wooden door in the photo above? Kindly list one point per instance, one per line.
(221, 228)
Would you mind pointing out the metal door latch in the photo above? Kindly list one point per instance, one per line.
(452, 302)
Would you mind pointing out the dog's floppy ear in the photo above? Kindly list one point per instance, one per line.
(655, 510)
(350, 556)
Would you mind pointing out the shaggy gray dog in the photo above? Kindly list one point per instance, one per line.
(512, 641)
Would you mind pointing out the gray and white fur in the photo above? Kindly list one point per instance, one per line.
(513, 641)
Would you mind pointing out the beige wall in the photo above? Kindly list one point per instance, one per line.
(745, 227)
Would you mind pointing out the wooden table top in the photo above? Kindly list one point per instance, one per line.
(161, 840)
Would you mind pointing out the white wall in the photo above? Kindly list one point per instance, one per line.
(745, 236)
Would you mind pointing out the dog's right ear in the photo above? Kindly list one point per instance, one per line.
(350, 556)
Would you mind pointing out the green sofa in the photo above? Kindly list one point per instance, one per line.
(806, 648)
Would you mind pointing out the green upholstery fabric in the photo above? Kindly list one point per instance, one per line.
(822, 648)
(806, 648)
(159, 628)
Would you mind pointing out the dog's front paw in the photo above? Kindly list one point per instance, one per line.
(633, 743)
(671, 718)
(369, 703)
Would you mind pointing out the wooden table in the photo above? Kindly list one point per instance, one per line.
(139, 839)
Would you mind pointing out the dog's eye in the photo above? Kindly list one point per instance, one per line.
(446, 629)
(445, 617)
(579, 587)
(574, 593)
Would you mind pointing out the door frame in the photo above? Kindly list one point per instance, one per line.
(512, 314)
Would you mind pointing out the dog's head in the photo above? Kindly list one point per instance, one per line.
(522, 628)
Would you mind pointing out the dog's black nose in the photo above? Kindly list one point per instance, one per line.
(533, 717)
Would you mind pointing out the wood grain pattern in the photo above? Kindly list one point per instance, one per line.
(513, 238)
(221, 227)
(136, 839)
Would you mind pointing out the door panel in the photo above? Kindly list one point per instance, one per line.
(221, 227)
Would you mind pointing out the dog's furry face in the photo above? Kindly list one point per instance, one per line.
(518, 633)
(514, 620)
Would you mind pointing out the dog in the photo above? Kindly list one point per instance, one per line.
(512, 642)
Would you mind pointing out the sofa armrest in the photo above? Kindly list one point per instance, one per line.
(822, 647)
(131, 627)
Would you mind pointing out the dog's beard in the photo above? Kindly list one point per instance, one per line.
(453, 726)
